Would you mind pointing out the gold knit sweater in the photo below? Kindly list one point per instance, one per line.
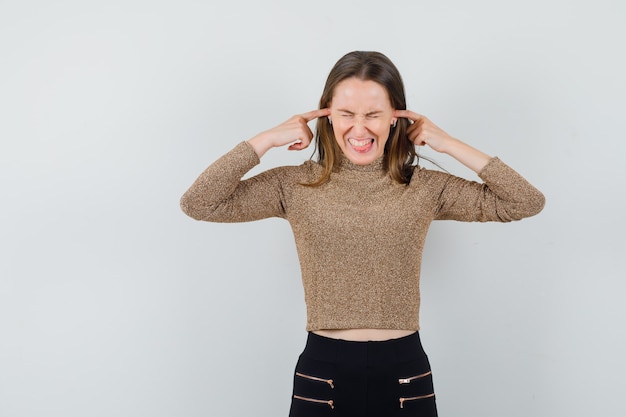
(361, 235)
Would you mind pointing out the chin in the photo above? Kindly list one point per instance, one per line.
(362, 159)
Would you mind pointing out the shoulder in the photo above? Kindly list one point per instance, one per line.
(425, 176)
(306, 172)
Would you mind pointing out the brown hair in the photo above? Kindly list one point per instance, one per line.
(399, 154)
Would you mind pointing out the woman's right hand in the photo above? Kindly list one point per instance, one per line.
(294, 132)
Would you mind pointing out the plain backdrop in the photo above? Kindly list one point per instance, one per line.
(114, 303)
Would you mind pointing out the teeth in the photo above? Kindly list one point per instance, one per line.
(358, 143)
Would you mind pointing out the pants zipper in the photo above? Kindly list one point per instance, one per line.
(408, 380)
(329, 402)
(421, 397)
(314, 378)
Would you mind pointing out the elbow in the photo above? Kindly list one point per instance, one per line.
(190, 208)
(532, 205)
(521, 209)
(537, 203)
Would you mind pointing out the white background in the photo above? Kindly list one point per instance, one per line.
(113, 303)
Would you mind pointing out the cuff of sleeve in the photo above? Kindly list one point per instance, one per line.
(246, 150)
(494, 164)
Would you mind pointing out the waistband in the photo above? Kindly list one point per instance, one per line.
(373, 353)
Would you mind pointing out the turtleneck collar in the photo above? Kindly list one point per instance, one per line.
(375, 166)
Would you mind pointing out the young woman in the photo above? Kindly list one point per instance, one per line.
(359, 214)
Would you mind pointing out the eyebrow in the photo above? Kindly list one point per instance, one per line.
(371, 113)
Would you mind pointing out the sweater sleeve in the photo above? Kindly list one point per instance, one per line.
(220, 195)
(504, 196)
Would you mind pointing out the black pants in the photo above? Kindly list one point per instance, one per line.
(365, 379)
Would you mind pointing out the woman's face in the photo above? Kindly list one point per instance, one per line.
(361, 116)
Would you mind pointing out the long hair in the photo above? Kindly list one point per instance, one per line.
(399, 155)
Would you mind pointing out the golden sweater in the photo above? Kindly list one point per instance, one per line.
(360, 236)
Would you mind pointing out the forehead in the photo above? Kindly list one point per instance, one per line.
(354, 92)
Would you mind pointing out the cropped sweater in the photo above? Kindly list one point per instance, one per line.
(360, 236)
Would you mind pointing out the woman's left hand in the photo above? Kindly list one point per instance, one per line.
(424, 132)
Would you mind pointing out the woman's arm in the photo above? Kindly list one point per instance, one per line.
(220, 195)
(504, 196)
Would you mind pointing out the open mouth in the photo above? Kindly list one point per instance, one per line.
(361, 145)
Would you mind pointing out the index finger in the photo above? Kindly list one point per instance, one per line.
(314, 114)
(408, 114)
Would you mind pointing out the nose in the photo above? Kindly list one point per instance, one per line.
(359, 124)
